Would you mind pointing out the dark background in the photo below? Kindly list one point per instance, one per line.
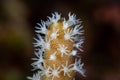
(101, 20)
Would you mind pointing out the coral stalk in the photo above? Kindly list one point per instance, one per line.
(56, 50)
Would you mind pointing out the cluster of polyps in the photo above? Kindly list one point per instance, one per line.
(56, 46)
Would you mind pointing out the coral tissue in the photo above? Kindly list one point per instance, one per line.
(57, 45)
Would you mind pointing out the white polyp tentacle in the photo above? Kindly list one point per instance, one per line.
(72, 19)
(66, 69)
(46, 72)
(63, 49)
(54, 34)
(55, 17)
(42, 28)
(39, 61)
(73, 52)
(36, 76)
(39, 42)
(55, 71)
(76, 30)
(53, 56)
(68, 35)
(78, 67)
(78, 45)
(47, 44)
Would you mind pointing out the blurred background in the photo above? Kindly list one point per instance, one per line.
(101, 20)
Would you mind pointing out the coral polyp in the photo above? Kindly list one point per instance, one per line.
(56, 46)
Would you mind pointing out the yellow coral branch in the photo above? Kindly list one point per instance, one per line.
(56, 50)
